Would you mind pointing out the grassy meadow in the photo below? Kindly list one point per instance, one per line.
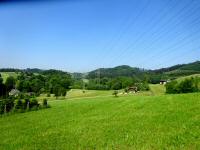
(157, 89)
(126, 122)
(77, 93)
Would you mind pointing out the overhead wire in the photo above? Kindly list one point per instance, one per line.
(165, 33)
(157, 36)
(120, 56)
(119, 37)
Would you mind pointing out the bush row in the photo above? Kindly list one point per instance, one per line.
(186, 86)
(21, 105)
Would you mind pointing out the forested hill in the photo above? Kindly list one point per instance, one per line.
(33, 70)
(195, 66)
(181, 70)
(123, 71)
(127, 71)
(191, 66)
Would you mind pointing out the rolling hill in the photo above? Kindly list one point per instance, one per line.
(180, 70)
(124, 71)
(127, 71)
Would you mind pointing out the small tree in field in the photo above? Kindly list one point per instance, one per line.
(45, 103)
(48, 95)
(115, 93)
(63, 92)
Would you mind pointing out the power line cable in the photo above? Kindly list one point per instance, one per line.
(158, 37)
(140, 35)
(126, 29)
(164, 52)
(154, 32)
(123, 31)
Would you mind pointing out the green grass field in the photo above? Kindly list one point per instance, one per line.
(157, 89)
(79, 94)
(76, 93)
(129, 122)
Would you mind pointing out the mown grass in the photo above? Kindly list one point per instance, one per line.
(77, 93)
(157, 89)
(133, 122)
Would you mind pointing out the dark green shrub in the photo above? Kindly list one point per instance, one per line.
(142, 86)
(21, 96)
(171, 87)
(2, 107)
(63, 92)
(45, 103)
(6, 105)
(115, 93)
(33, 103)
(35, 107)
(19, 104)
(48, 95)
(117, 86)
(185, 86)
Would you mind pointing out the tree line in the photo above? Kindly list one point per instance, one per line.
(50, 82)
(21, 104)
(187, 85)
(111, 83)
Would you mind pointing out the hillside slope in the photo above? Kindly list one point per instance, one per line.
(158, 122)
(127, 71)
(181, 70)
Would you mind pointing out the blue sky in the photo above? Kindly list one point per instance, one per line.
(82, 35)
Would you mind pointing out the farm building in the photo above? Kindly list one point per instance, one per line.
(163, 82)
(133, 89)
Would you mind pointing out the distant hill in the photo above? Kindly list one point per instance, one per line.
(191, 66)
(6, 72)
(188, 77)
(33, 70)
(185, 69)
(77, 75)
(195, 66)
(119, 71)
(163, 73)
(125, 71)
